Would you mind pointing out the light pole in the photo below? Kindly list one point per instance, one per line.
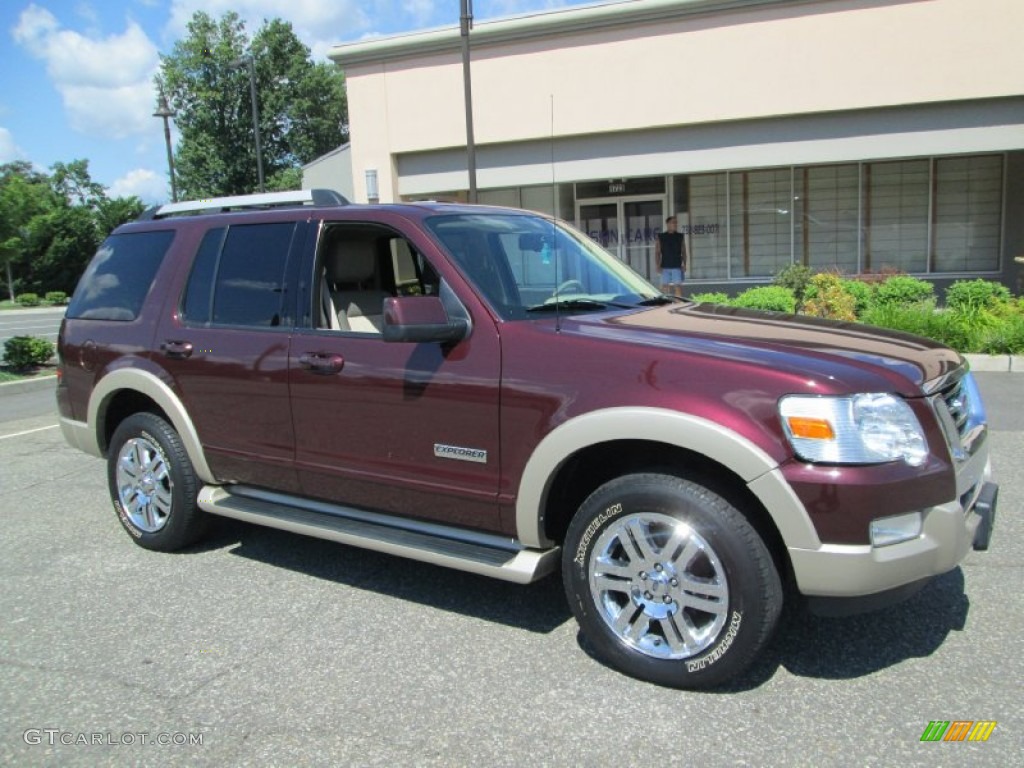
(238, 64)
(163, 110)
(465, 24)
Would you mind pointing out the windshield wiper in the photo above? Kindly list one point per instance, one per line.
(575, 304)
(657, 301)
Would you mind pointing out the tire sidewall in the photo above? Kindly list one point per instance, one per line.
(716, 522)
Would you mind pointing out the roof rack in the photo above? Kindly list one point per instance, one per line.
(259, 201)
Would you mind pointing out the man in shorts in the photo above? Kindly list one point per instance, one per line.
(670, 256)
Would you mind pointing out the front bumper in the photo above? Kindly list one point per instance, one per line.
(949, 531)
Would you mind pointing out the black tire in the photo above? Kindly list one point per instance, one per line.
(155, 494)
(694, 605)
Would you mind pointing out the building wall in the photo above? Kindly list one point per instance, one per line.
(725, 98)
(332, 171)
(688, 68)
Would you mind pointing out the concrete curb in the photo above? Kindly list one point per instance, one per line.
(28, 385)
(996, 363)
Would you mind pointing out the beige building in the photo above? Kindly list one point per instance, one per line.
(855, 134)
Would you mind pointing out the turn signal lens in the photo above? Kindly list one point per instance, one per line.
(810, 428)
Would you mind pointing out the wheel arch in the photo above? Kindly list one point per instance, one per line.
(125, 391)
(581, 454)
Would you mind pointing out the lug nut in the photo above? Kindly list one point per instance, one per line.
(657, 567)
(667, 599)
(648, 595)
(675, 582)
(643, 574)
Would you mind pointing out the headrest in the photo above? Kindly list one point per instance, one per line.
(351, 261)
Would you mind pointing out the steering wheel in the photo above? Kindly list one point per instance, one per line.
(580, 288)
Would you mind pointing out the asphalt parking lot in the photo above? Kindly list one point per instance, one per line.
(280, 650)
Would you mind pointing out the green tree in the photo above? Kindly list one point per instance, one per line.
(50, 225)
(302, 105)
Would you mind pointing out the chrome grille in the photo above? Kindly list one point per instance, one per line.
(958, 404)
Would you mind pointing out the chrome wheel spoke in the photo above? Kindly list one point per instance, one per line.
(714, 607)
(607, 583)
(640, 537)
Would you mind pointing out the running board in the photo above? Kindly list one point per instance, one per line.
(480, 553)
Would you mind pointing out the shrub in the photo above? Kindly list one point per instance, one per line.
(774, 298)
(903, 291)
(796, 277)
(714, 297)
(978, 295)
(1007, 338)
(27, 351)
(56, 297)
(830, 299)
(28, 300)
(863, 294)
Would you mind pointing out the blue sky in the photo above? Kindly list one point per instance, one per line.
(77, 74)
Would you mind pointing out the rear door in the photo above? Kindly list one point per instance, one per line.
(398, 427)
(226, 346)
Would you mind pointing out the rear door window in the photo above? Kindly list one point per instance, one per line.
(238, 277)
(117, 280)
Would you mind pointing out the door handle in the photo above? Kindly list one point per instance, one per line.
(177, 348)
(322, 362)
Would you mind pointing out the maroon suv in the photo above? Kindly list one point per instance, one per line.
(490, 390)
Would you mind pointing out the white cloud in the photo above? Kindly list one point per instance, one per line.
(106, 83)
(320, 25)
(421, 11)
(148, 185)
(9, 150)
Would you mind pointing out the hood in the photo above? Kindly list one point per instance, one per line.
(850, 354)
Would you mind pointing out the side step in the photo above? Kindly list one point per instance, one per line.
(485, 554)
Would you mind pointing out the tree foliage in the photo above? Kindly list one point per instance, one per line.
(51, 224)
(302, 105)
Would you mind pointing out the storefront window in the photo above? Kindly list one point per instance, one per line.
(705, 226)
(760, 221)
(896, 216)
(826, 210)
(968, 209)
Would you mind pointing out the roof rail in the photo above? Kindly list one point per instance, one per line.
(262, 200)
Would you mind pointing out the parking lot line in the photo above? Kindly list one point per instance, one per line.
(28, 431)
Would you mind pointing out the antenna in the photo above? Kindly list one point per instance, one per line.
(554, 208)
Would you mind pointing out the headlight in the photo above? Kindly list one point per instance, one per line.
(855, 429)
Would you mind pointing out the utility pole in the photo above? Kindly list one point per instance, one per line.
(465, 24)
(163, 110)
(238, 64)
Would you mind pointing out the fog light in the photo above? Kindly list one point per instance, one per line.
(893, 530)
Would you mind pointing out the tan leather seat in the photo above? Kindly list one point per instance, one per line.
(351, 267)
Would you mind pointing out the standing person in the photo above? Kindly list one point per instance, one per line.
(670, 256)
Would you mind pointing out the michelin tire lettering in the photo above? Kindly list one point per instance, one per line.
(588, 534)
(719, 651)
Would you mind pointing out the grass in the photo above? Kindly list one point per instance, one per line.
(7, 375)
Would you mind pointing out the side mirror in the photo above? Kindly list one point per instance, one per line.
(419, 319)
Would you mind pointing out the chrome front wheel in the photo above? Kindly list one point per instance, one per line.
(659, 585)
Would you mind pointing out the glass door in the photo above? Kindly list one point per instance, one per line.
(628, 227)
(643, 221)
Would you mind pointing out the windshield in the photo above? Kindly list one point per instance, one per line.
(525, 264)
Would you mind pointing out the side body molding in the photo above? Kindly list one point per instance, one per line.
(149, 385)
(757, 469)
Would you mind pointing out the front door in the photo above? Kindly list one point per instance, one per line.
(628, 227)
(397, 427)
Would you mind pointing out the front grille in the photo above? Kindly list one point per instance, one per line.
(957, 400)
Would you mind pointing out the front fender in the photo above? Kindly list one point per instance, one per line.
(757, 469)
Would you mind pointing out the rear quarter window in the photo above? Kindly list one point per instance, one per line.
(117, 280)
